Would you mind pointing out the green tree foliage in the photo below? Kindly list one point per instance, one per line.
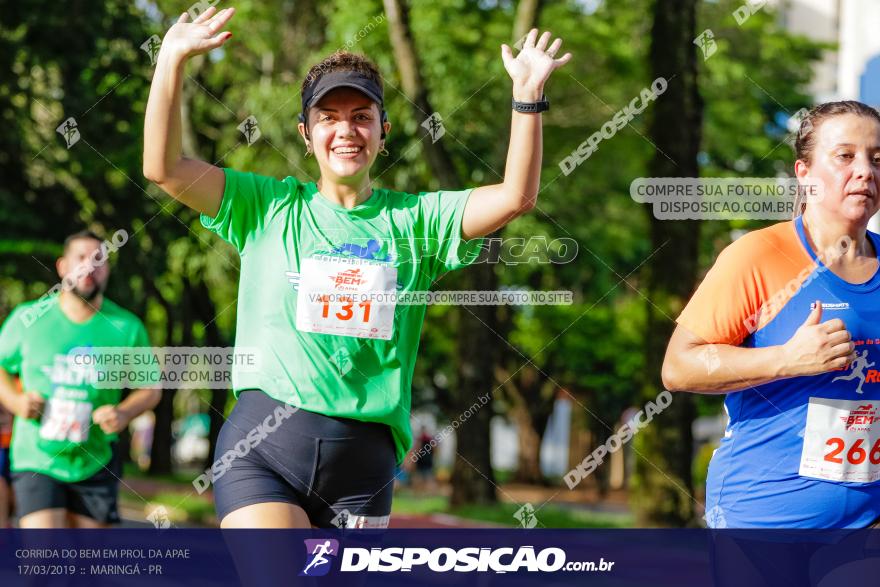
(87, 63)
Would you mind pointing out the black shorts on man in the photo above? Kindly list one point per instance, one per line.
(95, 497)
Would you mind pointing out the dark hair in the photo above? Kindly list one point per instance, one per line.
(342, 61)
(346, 62)
(805, 142)
(81, 235)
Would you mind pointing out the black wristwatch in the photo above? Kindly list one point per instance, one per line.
(532, 107)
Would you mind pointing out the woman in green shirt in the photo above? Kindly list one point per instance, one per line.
(316, 432)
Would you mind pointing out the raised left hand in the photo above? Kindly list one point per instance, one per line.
(532, 66)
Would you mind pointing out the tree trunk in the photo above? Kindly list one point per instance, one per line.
(663, 488)
(526, 18)
(473, 480)
(160, 454)
(528, 468)
(207, 311)
(531, 397)
(602, 474)
(413, 85)
(303, 32)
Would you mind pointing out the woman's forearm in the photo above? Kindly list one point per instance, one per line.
(491, 207)
(194, 183)
(722, 368)
(694, 364)
(162, 124)
(522, 171)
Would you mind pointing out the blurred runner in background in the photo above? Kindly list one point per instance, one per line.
(64, 466)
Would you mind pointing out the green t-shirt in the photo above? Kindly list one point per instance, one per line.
(34, 343)
(277, 227)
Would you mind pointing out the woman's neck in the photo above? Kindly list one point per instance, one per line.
(347, 195)
(827, 234)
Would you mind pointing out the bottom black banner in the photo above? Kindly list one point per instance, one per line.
(680, 558)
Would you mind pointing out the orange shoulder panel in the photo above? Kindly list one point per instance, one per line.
(751, 281)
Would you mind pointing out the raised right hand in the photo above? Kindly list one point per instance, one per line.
(186, 39)
(818, 347)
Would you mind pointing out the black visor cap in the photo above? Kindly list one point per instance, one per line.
(340, 79)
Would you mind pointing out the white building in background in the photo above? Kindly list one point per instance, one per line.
(858, 73)
(852, 71)
(818, 20)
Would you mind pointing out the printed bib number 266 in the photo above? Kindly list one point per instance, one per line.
(842, 441)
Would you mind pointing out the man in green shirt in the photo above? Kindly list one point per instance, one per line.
(316, 434)
(65, 473)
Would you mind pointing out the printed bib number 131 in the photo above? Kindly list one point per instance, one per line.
(340, 298)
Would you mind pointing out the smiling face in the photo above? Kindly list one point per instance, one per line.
(345, 129)
(846, 159)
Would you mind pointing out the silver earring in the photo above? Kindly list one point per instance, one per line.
(383, 151)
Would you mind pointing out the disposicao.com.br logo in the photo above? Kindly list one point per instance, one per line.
(444, 559)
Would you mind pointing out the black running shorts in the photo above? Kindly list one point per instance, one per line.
(339, 470)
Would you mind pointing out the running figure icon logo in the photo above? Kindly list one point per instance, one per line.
(318, 551)
(250, 128)
(70, 131)
(151, 47)
(858, 370)
(526, 516)
(706, 42)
